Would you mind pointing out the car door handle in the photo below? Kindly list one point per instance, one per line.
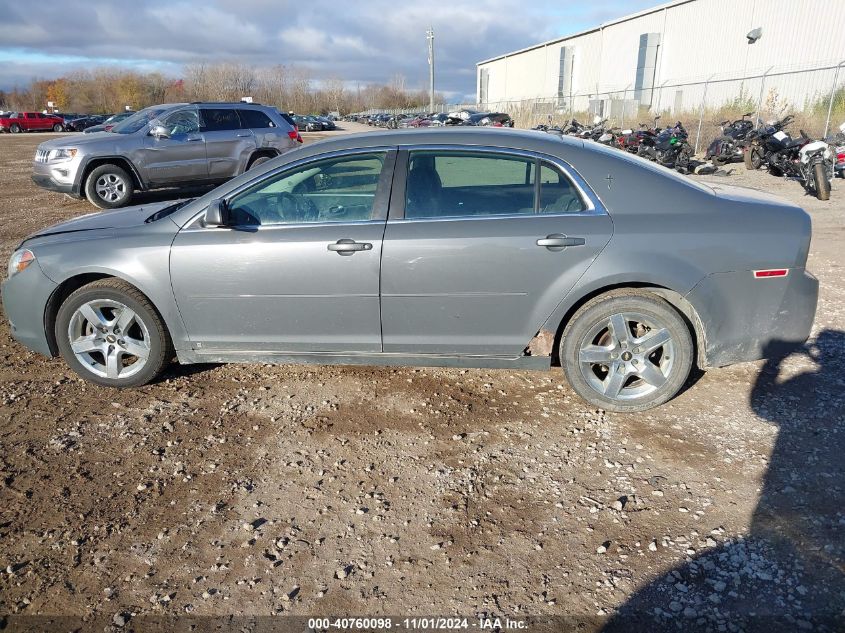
(193, 140)
(558, 241)
(243, 135)
(347, 246)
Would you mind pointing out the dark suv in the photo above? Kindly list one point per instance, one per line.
(163, 146)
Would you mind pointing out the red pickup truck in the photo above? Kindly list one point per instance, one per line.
(15, 122)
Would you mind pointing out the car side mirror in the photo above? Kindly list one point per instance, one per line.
(159, 131)
(217, 214)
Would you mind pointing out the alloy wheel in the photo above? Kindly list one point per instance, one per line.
(109, 339)
(110, 187)
(626, 356)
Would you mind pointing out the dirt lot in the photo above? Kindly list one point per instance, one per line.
(262, 490)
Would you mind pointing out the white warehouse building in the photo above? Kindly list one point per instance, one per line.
(682, 56)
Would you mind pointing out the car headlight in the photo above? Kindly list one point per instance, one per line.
(61, 154)
(20, 260)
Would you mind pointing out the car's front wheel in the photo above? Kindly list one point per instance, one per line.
(57, 127)
(109, 333)
(626, 351)
(108, 187)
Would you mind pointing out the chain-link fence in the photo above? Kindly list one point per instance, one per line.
(815, 95)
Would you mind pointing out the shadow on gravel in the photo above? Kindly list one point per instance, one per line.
(176, 370)
(788, 572)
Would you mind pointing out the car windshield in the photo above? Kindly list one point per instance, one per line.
(139, 120)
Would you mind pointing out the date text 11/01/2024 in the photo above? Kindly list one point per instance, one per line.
(417, 624)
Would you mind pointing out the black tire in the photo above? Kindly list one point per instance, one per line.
(672, 360)
(110, 174)
(753, 158)
(58, 128)
(258, 160)
(160, 348)
(719, 160)
(14, 128)
(822, 182)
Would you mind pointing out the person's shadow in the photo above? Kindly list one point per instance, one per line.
(788, 572)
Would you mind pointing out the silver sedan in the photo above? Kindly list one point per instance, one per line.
(458, 248)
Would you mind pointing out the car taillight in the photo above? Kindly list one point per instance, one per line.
(294, 135)
(771, 272)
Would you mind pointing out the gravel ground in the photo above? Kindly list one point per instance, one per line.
(266, 490)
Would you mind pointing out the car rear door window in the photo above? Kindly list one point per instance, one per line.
(255, 119)
(443, 183)
(557, 192)
(220, 119)
(340, 189)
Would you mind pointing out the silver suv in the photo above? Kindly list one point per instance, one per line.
(164, 146)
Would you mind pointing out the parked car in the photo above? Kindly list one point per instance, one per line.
(109, 122)
(328, 123)
(163, 146)
(15, 122)
(463, 248)
(436, 120)
(497, 119)
(81, 123)
(490, 119)
(461, 115)
(307, 123)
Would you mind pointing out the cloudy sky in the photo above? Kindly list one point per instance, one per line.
(364, 41)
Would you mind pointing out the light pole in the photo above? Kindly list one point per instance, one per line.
(429, 35)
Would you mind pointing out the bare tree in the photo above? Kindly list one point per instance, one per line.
(335, 91)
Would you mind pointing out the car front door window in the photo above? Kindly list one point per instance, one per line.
(182, 123)
(340, 189)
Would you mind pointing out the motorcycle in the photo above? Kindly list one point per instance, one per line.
(669, 148)
(765, 141)
(611, 137)
(630, 141)
(590, 133)
(809, 161)
(815, 167)
(730, 145)
(837, 146)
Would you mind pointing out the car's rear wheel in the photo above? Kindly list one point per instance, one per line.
(109, 333)
(14, 128)
(108, 187)
(626, 351)
(57, 127)
(258, 160)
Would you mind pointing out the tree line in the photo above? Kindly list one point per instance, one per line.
(105, 90)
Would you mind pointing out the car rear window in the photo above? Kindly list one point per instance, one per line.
(557, 193)
(456, 184)
(219, 119)
(255, 119)
(287, 118)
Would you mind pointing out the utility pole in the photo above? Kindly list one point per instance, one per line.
(429, 35)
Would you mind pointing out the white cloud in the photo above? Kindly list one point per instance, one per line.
(361, 42)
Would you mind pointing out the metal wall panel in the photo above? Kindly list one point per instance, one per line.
(699, 41)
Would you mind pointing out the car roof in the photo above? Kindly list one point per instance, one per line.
(505, 138)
